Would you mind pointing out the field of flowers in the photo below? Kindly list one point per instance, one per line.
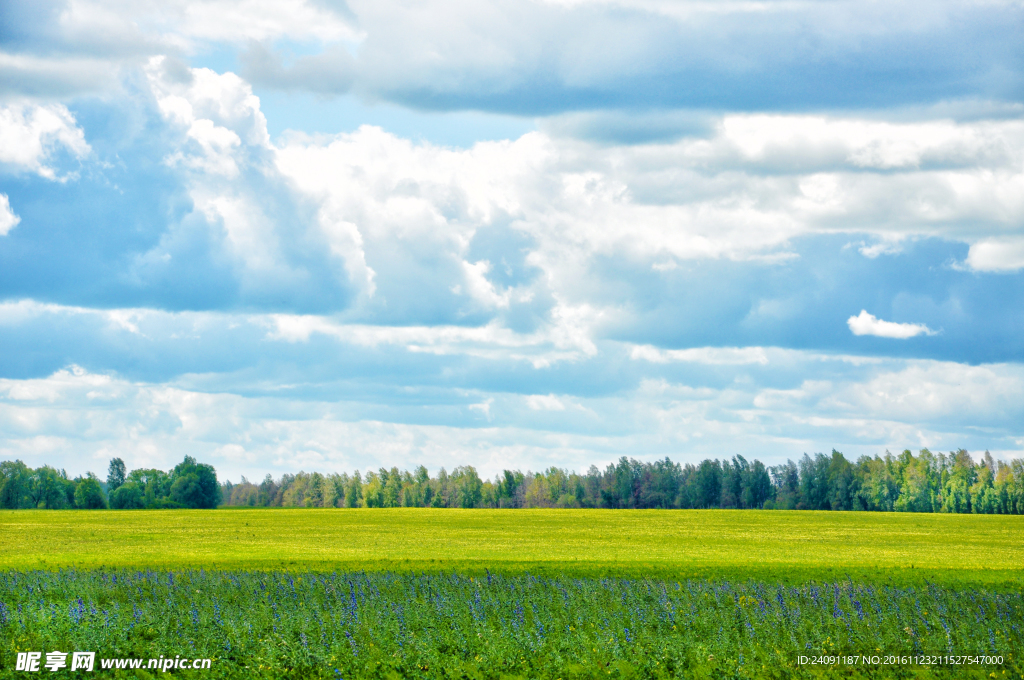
(388, 625)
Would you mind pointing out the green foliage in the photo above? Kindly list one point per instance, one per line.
(194, 485)
(189, 485)
(926, 482)
(50, 488)
(15, 481)
(115, 475)
(89, 495)
(387, 625)
(128, 496)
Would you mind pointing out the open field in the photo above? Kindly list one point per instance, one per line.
(777, 545)
(516, 594)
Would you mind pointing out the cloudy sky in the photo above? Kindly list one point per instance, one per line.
(327, 235)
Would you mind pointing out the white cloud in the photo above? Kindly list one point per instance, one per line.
(413, 202)
(217, 111)
(401, 220)
(30, 135)
(252, 215)
(744, 192)
(388, 211)
(454, 264)
(51, 77)
(728, 356)
(707, 55)
(331, 72)
(89, 45)
(927, 391)
(997, 255)
(239, 20)
(481, 289)
(868, 324)
(916, 393)
(555, 343)
(76, 419)
(8, 220)
(544, 402)
(809, 141)
(886, 245)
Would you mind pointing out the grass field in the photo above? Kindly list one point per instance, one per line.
(387, 626)
(345, 594)
(775, 545)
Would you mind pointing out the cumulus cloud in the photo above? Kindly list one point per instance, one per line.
(997, 255)
(244, 214)
(538, 233)
(8, 220)
(755, 183)
(77, 419)
(868, 324)
(661, 267)
(31, 135)
(746, 192)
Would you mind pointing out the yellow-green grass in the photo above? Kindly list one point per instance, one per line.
(788, 546)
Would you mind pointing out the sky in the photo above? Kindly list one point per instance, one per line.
(283, 235)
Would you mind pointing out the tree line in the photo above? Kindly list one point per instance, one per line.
(188, 485)
(926, 482)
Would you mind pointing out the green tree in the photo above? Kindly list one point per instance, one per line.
(707, 484)
(842, 483)
(391, 490)
(128, 496)
(757, 486)
(354, 491)
(194, 485)
(373, 490)
(915, 492)
(814, 488)
(1015, 486)
(508, 488)
(983, 497)
(48, 488)
(294, 489)
(786, 482)
(154, 484)
(469, 487)
(956, 492)
(268, 492)
(89, 494)
(15, 481)
(115, 474)
(878, 489)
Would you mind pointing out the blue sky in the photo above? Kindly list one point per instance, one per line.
(319, 235)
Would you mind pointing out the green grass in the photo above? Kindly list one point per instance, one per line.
(341, 593)
(734, 544)
(386, 626)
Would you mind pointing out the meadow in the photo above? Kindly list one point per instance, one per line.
(515, 594)
(793, 546)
